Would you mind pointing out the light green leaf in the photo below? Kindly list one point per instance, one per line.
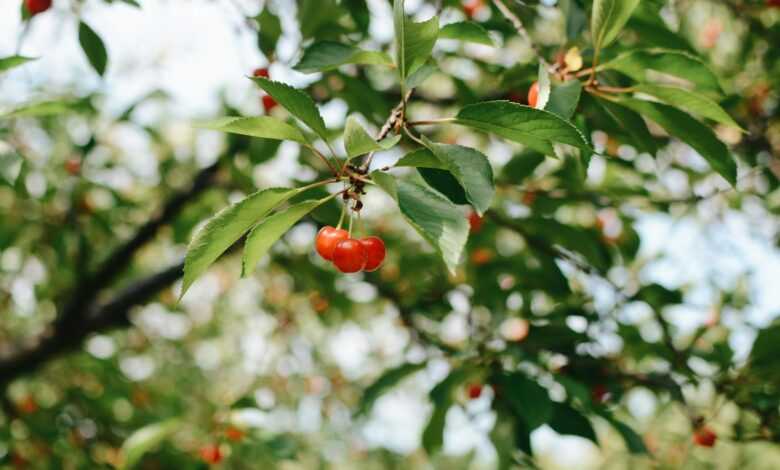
(608, 19)
(358, 142)
(145, 440)
(7, 63)
(633, 441)
(298, 103)
(544, 86)
(93, 47)
(264, 127)
(435, 218)
(421, 158)
(471, 169)
(639, 64)
(47, 108)
(423, 73)
(690, 131)
(564, 98)
(386, 381)
(226, 228)
(688, 101)
(414, 41)
(468, 31)
(267, 232)
(328, 55)
(535, 128)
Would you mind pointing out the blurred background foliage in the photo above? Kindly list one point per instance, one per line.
(607, 314)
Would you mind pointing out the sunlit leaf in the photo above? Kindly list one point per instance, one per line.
(264, 127)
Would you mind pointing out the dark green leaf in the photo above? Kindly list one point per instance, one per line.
(414, 41)
(528, 399)
(268, 32)
(442, 396)
(564, 98)
(631, 123)
(93, 47)
(386, 381)
(298, 103)
(521, 166)
(607, 20)
(567, 420)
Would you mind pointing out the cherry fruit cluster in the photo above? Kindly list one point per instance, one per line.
(348, 254)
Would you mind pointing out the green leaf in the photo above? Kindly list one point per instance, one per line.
(436, 219)
(47, 108)
(268, 32)
(689, 101)
(564, 98)
(566, 420)
(263, 127)
(327, 55)
(658, 296)
(267, 232)
(386, 381)
(535, 128)
(633, 441)
(145, 440)
(631, 123)
(521, 166)
(7, 63)
(226, 228)
(419, 76)
(608, 19)
(543, 82)
(766, 347)
(93, 47)
(298, 103)
(358, 142)
(467, 31)
(442, 397)
(421, 158)
(471, 169)
(414, 41)
(528, 399)
(690, 131)
(638, 64)
(445, 183)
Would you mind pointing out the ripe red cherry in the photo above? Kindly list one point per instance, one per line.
(327, 239)
(471, 7)
(37, 6)
(350, 256)
(268, 103)
(704, 437)
(210, 454)
(375, 252)
(599, 393)
(475, 222)
(261, 72)
(533, 95)
(474, 391)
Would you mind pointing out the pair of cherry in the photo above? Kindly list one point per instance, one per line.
(348, 254)
(268, 102)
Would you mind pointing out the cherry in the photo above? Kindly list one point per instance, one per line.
(475, 222)
(350, 256)
(471, 7)
(474, 391)
(375, 252)
(704, 436)
(481, 256)
(599, 393)
(73, 166)
(261, 72)
(327, 239)
(37, 6)
(211, 453)
(773, 3)
(268, 103)
(533, 95)
(234, 434)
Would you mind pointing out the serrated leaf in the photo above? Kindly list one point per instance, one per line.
(386, 381)
(435, 218)
(145, 440)
(607, 20)
(328, 55)
(690, 131)
(7, 63)
(267, 232)
(358, 142)
(93, 48)
(568, 421)
(535, 128)
(264, 127)
(564, 98)
(467, 31)
(226, 228)
(471, 169)
(528, 399)
(414, 41)
(689, 101)
(298, 103)
(442, 397)
(638, 63)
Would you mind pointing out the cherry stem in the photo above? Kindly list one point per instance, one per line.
(429, 122)
(349, 232)
(324, 159)
(341, 218)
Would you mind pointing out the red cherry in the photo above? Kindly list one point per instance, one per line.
(37, 6)
(599, 393)
(475, 222)
(773, 3)
(375, 252)
(471, 7)
(73, 166)
(474, 391)
(211, 453)
(533, 95)
(327, 239)
(704, 437)
(261, 72)
(268, 103)
(234, 434)
(349, 256)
